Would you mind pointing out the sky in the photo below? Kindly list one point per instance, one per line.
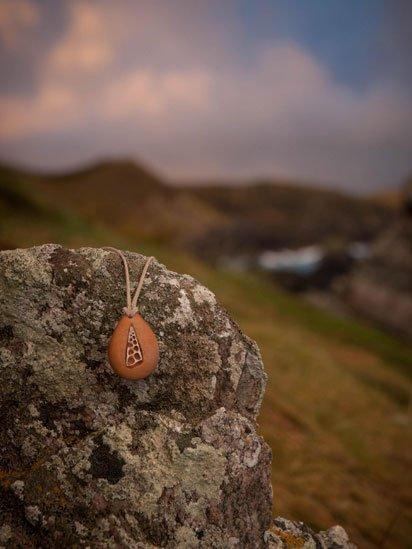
(313, 91)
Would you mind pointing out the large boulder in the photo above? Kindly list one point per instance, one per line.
(89, 459)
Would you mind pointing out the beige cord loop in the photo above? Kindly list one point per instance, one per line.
(131, 308)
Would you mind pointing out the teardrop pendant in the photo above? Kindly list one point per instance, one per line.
(133, 348)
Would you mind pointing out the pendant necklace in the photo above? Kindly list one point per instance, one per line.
(133, 349)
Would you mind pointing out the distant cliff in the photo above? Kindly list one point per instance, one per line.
(381, 287)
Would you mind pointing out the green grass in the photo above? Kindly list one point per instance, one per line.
(336, 411)
(342, 329)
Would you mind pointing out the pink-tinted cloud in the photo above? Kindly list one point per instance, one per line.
(150, 94)
(52, 109)
(86, 44)
(16, 17)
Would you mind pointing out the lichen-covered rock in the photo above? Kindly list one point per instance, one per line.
(90, 459)
(287, 534)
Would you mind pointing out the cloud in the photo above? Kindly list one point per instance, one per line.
(154, 93)
(86, 45)
(16, 17)
(143, 96)
(53, 108)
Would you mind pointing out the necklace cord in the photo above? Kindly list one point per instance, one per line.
(131, 304)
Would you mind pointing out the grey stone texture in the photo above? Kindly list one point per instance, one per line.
(287, 534)
(88, 459)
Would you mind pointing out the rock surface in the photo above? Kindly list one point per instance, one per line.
(286, 534)
(88, 459)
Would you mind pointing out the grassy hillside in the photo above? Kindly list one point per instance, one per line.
(210, 221)
(336, 411)
(124, 196)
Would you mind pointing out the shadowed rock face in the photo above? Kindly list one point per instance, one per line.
(89, 458)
